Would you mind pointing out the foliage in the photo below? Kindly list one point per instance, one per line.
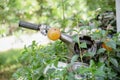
(106, 65)
(8, 63)
(61, 13)
(106, 5)
(8, 58)
(35, 58)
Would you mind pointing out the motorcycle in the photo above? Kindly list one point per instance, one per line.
(74, 49)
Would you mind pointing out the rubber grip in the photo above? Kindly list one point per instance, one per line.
(28, 25)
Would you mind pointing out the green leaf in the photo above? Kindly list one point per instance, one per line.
(100, 73)
(103, 32)
(111, 44)
(74, 58)
(118, 55)
(75, 38)
(102, 59)
(70, 76)
(92, 63)
(83, 45)
(56, 63)
(83, 70)
(101, 50)
(114, 62)
(89, 54)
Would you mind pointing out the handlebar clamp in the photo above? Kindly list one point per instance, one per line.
(43, 29)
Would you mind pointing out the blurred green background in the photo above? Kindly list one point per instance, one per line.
(61, 13)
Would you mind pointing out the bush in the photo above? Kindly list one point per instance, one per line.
(104, 64)
(35, 58)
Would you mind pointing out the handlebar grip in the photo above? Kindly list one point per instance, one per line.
(28, 25)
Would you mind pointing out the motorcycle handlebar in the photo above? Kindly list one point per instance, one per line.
(28, 25)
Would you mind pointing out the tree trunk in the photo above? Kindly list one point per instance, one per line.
(118, 15)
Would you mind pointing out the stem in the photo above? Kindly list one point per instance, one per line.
(63, 14)
(81, 56)
(63, 9)
(108, 53)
